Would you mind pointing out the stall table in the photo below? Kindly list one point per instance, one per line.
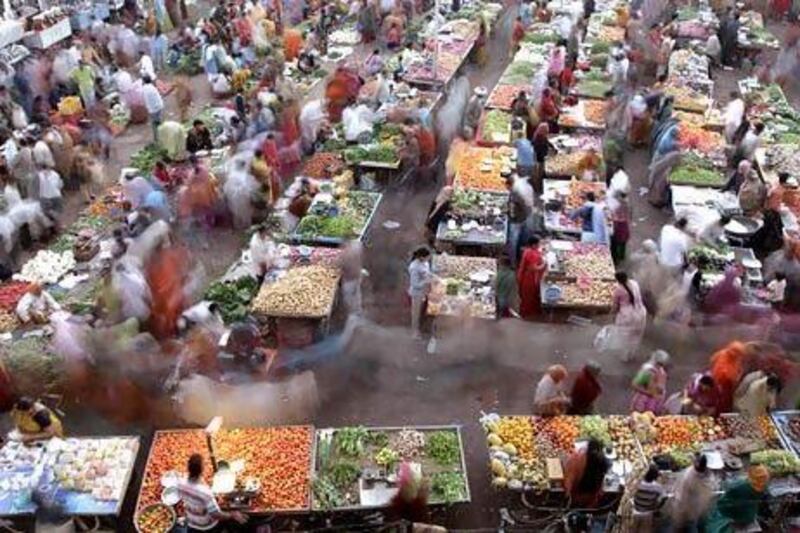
(361, 203)
(49, 36)
(481, 168)
(464, 287)
(349, 480)
(476, 222)
(571, 195)
(571, 150)
(589, 115)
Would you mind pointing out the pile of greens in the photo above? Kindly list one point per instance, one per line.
(350, 441)
(145, 159)
(447, 487)
(233, 297)
(496, 126)
(386, 131)
(326, 495)
(696, 170)
(600, 48)
(540, 37)
(334, 145)
(340, 227)
(442, 447)
(374, 154)
(593, 88)
(708, 259)
(188, 63)
(33, 368)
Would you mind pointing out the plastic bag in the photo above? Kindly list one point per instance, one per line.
(602, 341)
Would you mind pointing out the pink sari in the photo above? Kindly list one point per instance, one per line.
(653, 403)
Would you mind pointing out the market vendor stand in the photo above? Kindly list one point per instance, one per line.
(571, 150)
(561, 198)
(65, 470)
(476, 224)
(585, 115)
(304, 233)
(354, 467)
(463, 287)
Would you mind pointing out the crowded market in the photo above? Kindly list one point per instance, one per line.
(399, 265)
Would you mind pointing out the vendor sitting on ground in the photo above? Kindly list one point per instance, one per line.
(36, 306)
(198, 138)
(34, 421)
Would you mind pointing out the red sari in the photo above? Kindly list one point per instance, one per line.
(727, 369)
(529, 278)
(165, 275)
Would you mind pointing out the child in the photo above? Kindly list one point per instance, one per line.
(776, 290)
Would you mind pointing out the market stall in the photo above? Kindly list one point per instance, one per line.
(332, 221)
(773, 109)
(48, 28)
(580, 277)
(588, 115)
(481, 168)
(572, 151)
(561, 198)
(86, 476)
(592, 84)
(357, 468)
(443, 55)
(527, 453)
(498, 127)
(476, 222)
(463, 287)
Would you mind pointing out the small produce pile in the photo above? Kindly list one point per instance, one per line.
(667, 434)
(594, 294)
(623, 439)
(32, 365)
(280, 457)
(304, 291)
(481, 168)
(697, 171)
(473, 204)
(346, 219)
(593, 84)
(688, 99)
(10, 294)
(158, 518)
(464, 286)
(98, 467)
(563, 163)
(380, 153)
(503, 95)
(47, 267)
(709, 259)
(578, 190)
(759, 428)
(496, 127)
(350, 459)
(588, 260)
(585, 114)
(706, 142)
(233, 297)
(321, 165)
(513, 457)
(783, 158)
(8, 322)
(780, 463)
(170, 452)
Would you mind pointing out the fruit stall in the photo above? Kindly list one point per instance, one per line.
(254, 470)
(358, 468)
(298, 295)
(463, 287)
(704, 144)
(563, 197)
(580, 277)
(334, 219)
(586, 114)
(85, 476)
(572, 149)
(481, 168)
(476, 223)
(527, 453)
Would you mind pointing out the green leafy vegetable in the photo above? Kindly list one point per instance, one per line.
(780, 463)
(377, 154)
(233, 297)
(350, 441)
(326, 495)
(386, 457)
(442, 447)
(343, 474)
(379, 439)
(145, 159)
(447, 487)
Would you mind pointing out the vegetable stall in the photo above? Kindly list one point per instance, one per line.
(475, 223)
(332, 220)
(358, 468)
(463, 287)
(572, 151)
(86, 476)
(580, 276)
(589, 115)
(563, 197)
(481, 168)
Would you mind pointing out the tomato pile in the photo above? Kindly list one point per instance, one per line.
(279, 456)
(11, 292)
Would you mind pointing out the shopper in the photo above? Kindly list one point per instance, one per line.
(200, 505)
(419, 277)
(650, 384)
(531, 270)
(551, 395)
(154, 104)
(585, 390)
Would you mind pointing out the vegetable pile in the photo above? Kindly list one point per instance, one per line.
(354, 211)
(322, 164)
(157, 518)
(145, 159)
(170, 451)
(278, 456)
(233, 297)
(587, 260)
(305, 291)
(496, 127)
(594, 294)
(503, 95)
(709, 259)
(697, 171)
(480, 168)
(380, 153)
(33, 367)
(697, 138)
(11, 292)
(47, 267)
(780, 463)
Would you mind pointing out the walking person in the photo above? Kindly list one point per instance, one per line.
(631, 317)
(154, 104)
(419, 277)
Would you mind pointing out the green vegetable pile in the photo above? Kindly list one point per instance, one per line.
(343, 474)
(386, 457)
(63, 242)
(708, 259)
(145, 159)
(387, 130)
(188, 64)
(447, 487)
(595, 427)
(496, 124)
(696, 170)
(442, 447)
(780, 463)
(33, 368)
(326, 495)
(379, 439)
(540, 37)
(334, 145)
(681, 458)
(600, 48)
(593, 88)
(233, 297)
(350, 441)
(375, 154)
(339, 227)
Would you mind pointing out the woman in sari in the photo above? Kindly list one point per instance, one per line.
(548, 110)
(166, 274)
(638, 122)
(631, 316)
(650, 384)
(292, 44)
(529, 278)
(367, 21)
(727, 368)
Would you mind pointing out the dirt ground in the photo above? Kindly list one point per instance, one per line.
(386, 378)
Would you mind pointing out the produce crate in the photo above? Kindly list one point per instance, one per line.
(368, 462)
(497, 138)
(321, 240)
(765, 427)
(586, 115)
(457, 269)
(782, 420)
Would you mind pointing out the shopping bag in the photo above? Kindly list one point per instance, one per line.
(602, 340)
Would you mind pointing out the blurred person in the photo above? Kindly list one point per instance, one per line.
(84, 78)
(531, 270)
(752, 194)
(410, 502)
(517, 34)
(167, 273)
(739, 505)
(727, 367)
(541, 148)
(49, 192)
(692, 495)
(263, 251)
(202, 512)
(756, 395)
(648, 499)
(733, 115)
(674, 244)
(472, 113)
(621, 219)
(776, 290)
(551, 396)
(351, 263)
(131, 291)
(638, 121)
(34, 421)
(198, 138)
(520, 211)
(700, 397)
(746, 149)
(36, 306)
(585, 390)
(420, 277)
(630, 318)
(42, 156)
(548, 110)
(665, 157)
(135, 189)
(526, 161)
(183, 97)
(743, 171)
(713, 232)
(438, 211)
(154, 104)
(725, 296)
(592, 217)
(172, 139)
(650, 384)
(584, 473)
(203, 314)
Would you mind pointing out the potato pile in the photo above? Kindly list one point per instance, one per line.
(461, 267)
(306, 291)
(595, 294)
(587, 260)
(619, 427)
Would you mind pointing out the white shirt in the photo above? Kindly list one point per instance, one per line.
(547, 390)
(777, 290)
(146, 68)
(674, 245)
(712, 232)
(123, 80)
(152, 98)
(50, 184)
(419, 277)
(199, 504)
(42, 155)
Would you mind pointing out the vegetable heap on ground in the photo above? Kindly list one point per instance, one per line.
(305, 291)
(233, 297)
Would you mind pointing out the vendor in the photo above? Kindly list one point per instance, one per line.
(200, 505)
(36, 306)
(738, 507)
(301, 203)
(472, 114)
(592, 217)
(551, 396)
(198, 138)
(584, 473)
(262, 251)
(34, 421)
(713, 233)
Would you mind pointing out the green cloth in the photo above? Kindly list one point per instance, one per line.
(506, 283)
(738, 506)
(84, 77)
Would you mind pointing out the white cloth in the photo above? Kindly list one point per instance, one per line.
(548, 390)
(357, 120)
(152, 99)
(419, 277)
(713, 47)
(262, 253)
(42, 155)
(123, 81)
(524, 190)
(30, 304)
(312, 116)
(750, 144)
(673, 245)
(201, 315)
(50, 184)
(146, 69)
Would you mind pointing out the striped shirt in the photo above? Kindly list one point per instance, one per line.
(199, 504)
(647, 497)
